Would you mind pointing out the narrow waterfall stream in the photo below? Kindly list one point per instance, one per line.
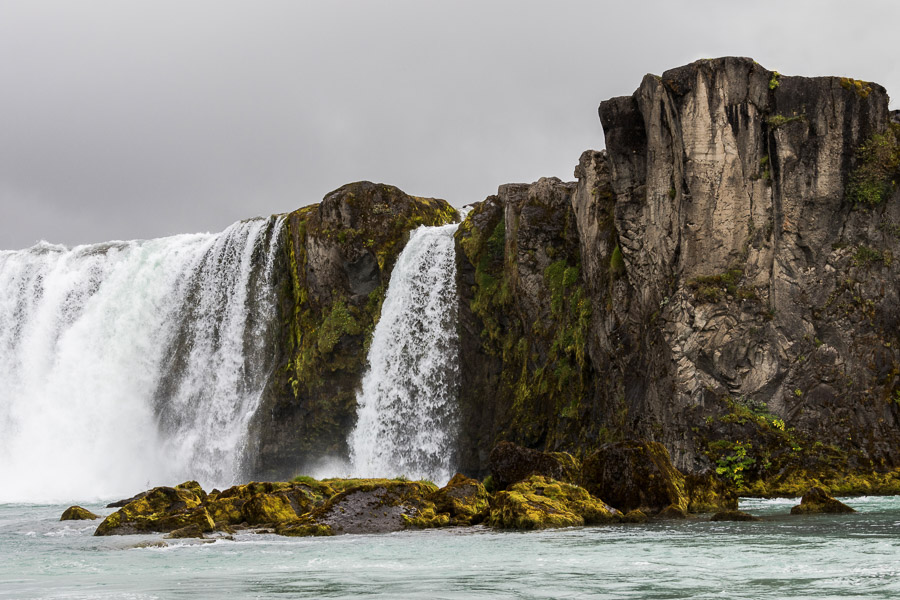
(128, 364)
(407, 407)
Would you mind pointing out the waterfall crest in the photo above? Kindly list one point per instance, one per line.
(132, 363)
(407, 407)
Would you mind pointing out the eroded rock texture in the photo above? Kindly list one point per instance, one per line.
(721, 280)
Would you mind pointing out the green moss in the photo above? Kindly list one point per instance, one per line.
(540, 503)
(861, 88)
(776, 121)
(712, 288)
(616, 262)
(877, 169)
(774, 80)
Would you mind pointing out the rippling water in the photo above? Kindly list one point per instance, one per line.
(828, 556)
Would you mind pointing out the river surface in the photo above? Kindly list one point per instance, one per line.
(823, 556)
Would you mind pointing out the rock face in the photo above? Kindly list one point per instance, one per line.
(634, 475)
(511, 463)
(817, 500)
(337, 260)
(77, 513)
(720, 280)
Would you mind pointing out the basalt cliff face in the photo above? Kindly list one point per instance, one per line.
(721, 279)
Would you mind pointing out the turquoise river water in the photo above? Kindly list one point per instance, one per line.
(827, 556)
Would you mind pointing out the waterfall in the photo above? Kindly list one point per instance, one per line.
(406, 409)
(130, 364)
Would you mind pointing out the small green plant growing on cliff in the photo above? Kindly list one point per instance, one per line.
(616, 262)
(798, 392)
(732, 466)
(709, 288)
(776, 121)
(877, 171)
(774, 80)
(865, 256)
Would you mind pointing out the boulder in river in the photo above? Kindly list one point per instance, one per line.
(77, 513)
(540, 502)
(817, 500)
(511, 463)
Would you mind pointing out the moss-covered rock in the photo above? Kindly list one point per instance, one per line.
(464, 500)
(540, 502)
(372, 506)
(190, 531)
(734, 515)
(511, 463)
(817, 500)
(161, 509)
(635, 516)
(636, 475)
(266, 503)
(707, 493)
(77, 513)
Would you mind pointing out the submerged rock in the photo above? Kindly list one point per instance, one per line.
(635, 516)
(817, 500)
(636, 475)
(540, 502)
(190, 531)
(511, 463)
(77, 513)
(160, 509)
(734, 515)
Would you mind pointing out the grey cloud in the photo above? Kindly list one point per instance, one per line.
(141, 119)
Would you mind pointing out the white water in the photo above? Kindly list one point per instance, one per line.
(130, 364)
(407, 420)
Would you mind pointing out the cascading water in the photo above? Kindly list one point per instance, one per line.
(132, 363)
(407, 420)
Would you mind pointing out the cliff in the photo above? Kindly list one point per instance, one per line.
(721, 279)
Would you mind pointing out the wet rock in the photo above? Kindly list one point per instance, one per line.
(635, 516)
(707, 493)
(372, 506)
(160, 509)
(636, 475)
(734, 515)
(77, 513)
(123, 502)
(189, 531)
(540, 502)
(511, 463)
(817, 500)
(263, 503)
(465, 500)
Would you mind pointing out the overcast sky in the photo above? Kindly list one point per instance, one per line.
(123, 120)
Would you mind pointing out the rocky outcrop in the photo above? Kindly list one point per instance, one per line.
(464, 500)
(510, 463)
(817, 500)
(540, 502)
(77, 513)
(337, 260)
(634, 475)
(161, 509)
(721, 280)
